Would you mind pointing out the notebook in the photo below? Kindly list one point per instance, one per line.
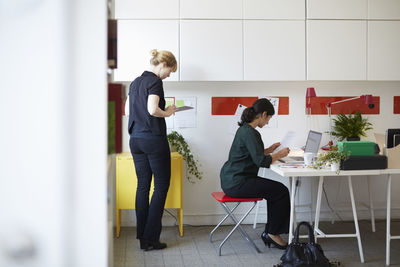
(312, 146)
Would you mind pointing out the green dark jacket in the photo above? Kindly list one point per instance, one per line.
(245, 157)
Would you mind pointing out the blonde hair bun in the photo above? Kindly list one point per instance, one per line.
(163, 56)
(153, 52)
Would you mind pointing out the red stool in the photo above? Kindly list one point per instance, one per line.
(222, 199)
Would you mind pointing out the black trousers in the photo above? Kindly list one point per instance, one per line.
(151, 156)
(278, 201)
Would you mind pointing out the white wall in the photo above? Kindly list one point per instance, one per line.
(210, 142)
(53, 113)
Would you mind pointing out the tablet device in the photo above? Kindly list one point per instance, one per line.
(183, 108)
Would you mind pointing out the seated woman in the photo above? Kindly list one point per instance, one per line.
(239, 174)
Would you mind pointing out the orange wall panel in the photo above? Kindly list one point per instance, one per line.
(227, 105)
(318, 105)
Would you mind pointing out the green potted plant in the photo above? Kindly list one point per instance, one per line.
(350, 127)
(332, 157)
(178, 144)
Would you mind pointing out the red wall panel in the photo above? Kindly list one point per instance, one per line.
(319, 103)
(396, 105)
(227, 105)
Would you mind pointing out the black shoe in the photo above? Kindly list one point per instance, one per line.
(268, 241)
(143, 243)
(150, 245)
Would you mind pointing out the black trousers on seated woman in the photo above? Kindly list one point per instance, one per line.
(278, 201)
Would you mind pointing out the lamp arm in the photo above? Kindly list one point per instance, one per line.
(344, 100)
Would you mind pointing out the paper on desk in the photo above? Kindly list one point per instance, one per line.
(288, 140)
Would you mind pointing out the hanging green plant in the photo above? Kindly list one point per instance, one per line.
(177, 142)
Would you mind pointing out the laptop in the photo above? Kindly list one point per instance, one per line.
(312, 146)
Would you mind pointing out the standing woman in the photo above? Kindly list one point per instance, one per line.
(149, 146)
(239, 174)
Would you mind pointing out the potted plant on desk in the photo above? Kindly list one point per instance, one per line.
(333, 157)
(179, 144)
(350, 127)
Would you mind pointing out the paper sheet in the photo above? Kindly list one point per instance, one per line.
(236, 118)
(186, 118)
(288, 140)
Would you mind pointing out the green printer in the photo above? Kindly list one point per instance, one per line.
(362, 156)
(357, 148)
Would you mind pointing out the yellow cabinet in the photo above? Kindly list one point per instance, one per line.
(127, 182)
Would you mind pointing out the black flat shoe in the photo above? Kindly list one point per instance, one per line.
(150, 245)
(268, 241)
(143, 244)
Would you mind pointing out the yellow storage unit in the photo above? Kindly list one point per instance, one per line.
(127, 182)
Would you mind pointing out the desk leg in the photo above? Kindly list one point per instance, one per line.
(311, 201)
(292, 192)
(118, 221)
(388, 199)
(180, 221)
(318, 207)
(353, 205)
(371, 205)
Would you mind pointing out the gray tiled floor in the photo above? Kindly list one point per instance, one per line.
(194, 249)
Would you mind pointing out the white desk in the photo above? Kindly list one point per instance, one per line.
(293, 173)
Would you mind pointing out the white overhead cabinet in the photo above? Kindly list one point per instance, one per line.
(286, 40)
(148, 9)
(274, 9)
(211, 50)
(384, 50)
(274, 50)
(135, 40)
(336, 50)
(337, 9)
(211, 9)
(384, 9)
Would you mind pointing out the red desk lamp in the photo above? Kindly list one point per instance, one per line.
(309, 94)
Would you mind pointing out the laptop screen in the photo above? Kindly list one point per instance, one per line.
(313, 141)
